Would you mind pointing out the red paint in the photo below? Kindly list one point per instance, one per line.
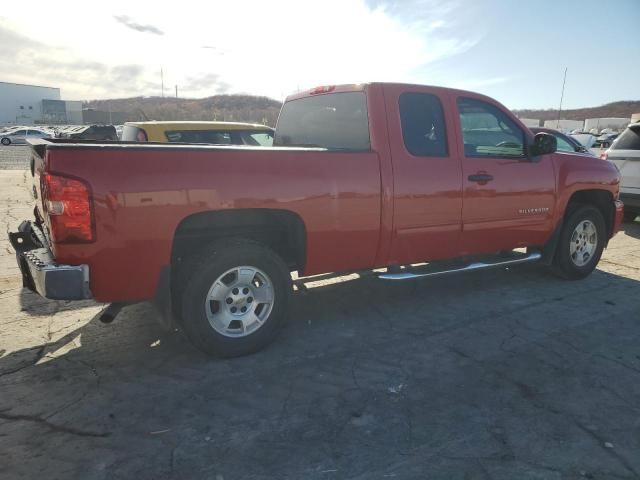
(360, 210)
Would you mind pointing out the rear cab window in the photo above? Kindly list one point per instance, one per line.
(336, 121)
(488, 132)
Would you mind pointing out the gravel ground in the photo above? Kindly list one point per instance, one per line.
(14, 157)
(509, 374)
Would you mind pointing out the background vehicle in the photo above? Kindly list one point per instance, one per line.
(566, 143)
(625, 153)
(20, 135)
(216, 133)
(361, 176)
(90, 132)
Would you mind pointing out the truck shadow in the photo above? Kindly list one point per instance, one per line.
(632, 228)
(348, 347)
(33, 304)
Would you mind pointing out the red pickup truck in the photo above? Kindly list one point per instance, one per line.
(360, 177)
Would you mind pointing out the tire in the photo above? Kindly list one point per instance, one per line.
(578, 252)
(230, 274)
(630, 215)
(5, 141)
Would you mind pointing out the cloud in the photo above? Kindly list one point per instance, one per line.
(273, 51)
(477, 83)
(130, 23)
(207, 82)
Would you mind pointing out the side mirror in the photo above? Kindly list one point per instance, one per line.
(543, 144)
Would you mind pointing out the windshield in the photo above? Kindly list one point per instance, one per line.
(334, 121)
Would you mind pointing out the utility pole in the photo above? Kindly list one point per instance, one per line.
(162, 81)
(561, 98)
(176, 92)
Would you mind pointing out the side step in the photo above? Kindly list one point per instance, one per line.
(525, 258)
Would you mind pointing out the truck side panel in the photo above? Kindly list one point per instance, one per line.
(140, 196)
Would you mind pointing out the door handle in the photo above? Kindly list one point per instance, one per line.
(480, 177)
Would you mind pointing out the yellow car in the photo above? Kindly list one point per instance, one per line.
(216, 133)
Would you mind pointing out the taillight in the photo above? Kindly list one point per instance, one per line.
(67, 202)
(323, 89)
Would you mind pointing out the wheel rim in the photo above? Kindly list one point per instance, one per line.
(584, 242)
(240, 301)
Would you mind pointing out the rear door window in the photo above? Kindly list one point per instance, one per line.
(199, 136)
(337, 121)
(423, 127)
(263, 139)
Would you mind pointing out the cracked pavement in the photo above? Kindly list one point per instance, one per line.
(509, 374)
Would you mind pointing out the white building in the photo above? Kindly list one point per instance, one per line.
(32, 104)
(22, 104)
(564, 125)
(614, 123)
(530, 122)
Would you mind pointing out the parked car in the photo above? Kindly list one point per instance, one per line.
(360, 177)
(20, 135)
(625, 153)
(90, 132)
(604, 141)
(215, 133)
(566, 143)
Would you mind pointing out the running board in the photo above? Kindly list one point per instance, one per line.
(531, 257)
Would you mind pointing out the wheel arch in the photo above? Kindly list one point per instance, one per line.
(283, 231)
(601, 199)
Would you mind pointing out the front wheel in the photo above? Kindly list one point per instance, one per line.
(235, 298)
(581, 243)
(6, 141)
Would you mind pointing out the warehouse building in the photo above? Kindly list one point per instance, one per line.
(34, 104)
(564, 125)
(614, 123)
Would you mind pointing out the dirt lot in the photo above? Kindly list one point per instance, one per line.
(508, 374)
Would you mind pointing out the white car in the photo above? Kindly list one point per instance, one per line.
(20, 136)
(625, 153)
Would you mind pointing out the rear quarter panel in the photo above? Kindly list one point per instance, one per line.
(141, 194)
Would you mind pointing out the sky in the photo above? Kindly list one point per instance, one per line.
(515, 51)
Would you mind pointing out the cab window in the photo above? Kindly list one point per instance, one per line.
(489, 132)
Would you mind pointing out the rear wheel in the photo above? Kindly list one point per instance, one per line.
(235, 298)
(581, 243)
(6, 141)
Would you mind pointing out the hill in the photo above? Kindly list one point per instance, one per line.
(616, 109)
(236, 108)
(249, 108)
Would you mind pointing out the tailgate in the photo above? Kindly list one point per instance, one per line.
(37, 167)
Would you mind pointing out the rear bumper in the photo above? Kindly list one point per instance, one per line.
(618, 217)
(41, 273)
